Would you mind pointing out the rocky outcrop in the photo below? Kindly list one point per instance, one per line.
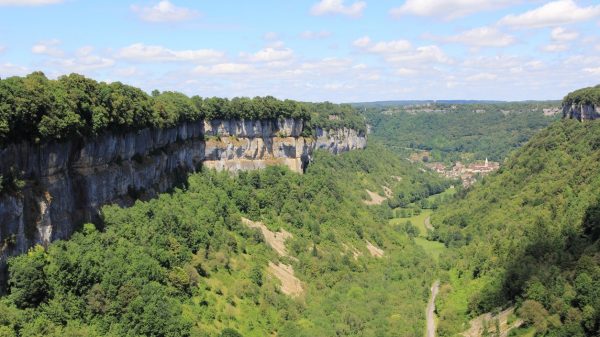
(581, 112)
(66, 183)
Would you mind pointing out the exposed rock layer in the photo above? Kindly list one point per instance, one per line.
(66, 183)
(581, 111)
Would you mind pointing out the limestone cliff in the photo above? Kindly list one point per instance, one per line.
(66, 183)
(581, 111)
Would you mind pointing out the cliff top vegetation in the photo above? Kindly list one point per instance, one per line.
(590, 95)
(40, 109)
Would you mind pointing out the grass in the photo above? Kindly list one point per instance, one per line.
(523, 332)
(432, 247)
(417, 220)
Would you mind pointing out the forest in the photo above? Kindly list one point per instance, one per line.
(589, 95)
(464, 132)
(35, 108)
(185, 265)
(528, 237)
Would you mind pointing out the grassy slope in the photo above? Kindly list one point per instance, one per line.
(519, 232)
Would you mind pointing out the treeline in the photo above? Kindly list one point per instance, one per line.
(529, 236)
(38, 109)
(589, 95)
(461, 132)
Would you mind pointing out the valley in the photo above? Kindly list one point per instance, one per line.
(353, 238)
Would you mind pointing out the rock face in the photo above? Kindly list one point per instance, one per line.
(67, 183)
(581, 112)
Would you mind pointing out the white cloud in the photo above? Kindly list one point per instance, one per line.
(164, 11)
(225, 69)
(270, 55)
(383, 47)
(401, 51)
(482, 77)
(482, 37)
(310, 35)
(362, 42)
(424, 54)
(149, 53)
(9, 69)
(552, 14)
(448, 9)
(2, 49)
(562, 35)
(595, 71)
(405, 72)
(83, 60)
(29, 2)
(49, 48)
(555, 47)
(324, 7)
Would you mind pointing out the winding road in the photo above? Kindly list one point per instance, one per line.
(435, 287)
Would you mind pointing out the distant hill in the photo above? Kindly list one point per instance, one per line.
(529, 235)
(422, 102)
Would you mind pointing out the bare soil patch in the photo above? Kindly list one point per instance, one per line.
(355, 252)
(376, 199)
(374, 250)
(290, 284)
(479, 323)
(274, 239)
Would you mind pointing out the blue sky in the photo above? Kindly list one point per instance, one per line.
(337, 50)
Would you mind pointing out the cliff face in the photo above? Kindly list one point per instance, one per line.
(67, 183)
(581, 111)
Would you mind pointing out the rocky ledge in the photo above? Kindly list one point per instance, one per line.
(581, 112)
(66, 183)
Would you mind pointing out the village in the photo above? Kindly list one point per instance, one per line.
(467, 173)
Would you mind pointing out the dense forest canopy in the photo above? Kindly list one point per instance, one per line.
(459, 132)
(37, 108)
(589, 95)
(184, 264)
(529, 235)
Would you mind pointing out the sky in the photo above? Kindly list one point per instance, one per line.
(312, 50)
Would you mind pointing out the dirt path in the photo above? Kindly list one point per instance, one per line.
(427, 223)
(435, 287)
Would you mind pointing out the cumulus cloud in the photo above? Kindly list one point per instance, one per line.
(402, 51)
(448, 9)
(29, 2)
(555, 47)
(425, 54)
(225, 69)
(595, 71)
(383, 47)
(482, 77)
(270, 54)
(310, 35)
(562, 35)
(324, 7)
(49, 48)
(554, 13)
(482, 37)
(164, 11)
(83, 60)
(150, 53)
(10, 69)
